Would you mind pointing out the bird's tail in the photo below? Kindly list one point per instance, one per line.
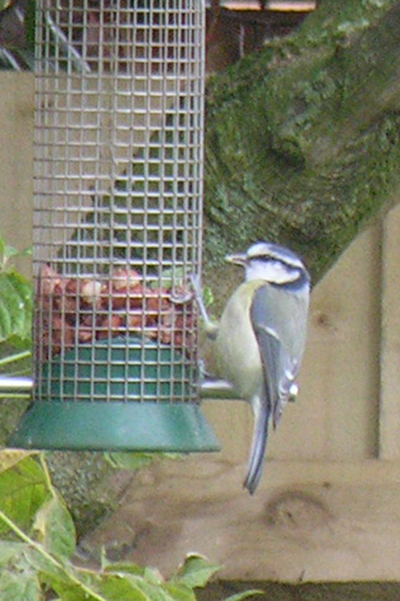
(260, 437)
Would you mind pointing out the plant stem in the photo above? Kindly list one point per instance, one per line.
(47, 474)
(9, 395)
(16, 357)
(39, 548)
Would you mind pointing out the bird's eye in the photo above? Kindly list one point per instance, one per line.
(265, 258)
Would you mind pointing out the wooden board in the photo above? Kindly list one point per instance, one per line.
(16, 160)
(389, 431)
(310, 521)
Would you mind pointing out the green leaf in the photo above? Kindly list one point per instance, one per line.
(71, 592)
(9, 252)
(109, 587)
(23, 489)
(10, 551)
(11, 457)
(20, 586)
(18, 579)
(150, 591)
(54, 528)
(15, 307)
(78, 590)
(169, 278)
(2, 247)
(196, 571)
(117, 588)
(50, 571)
(208, 296)
(180, 592)
(130, 461)
(124, 568)
(136, 461)
(152, 576)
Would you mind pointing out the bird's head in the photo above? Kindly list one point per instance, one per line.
(271, 262)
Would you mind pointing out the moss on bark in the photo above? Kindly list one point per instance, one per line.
(303, 138)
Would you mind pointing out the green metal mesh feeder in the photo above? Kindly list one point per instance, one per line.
(117, 226)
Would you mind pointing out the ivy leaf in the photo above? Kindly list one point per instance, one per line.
(15, 308)
(122, 588)
(148, 591)
(54, 528)
(18, 579)
(50, 571)
(195, 572)
(11, 457)
(20, 584)
(9, 252)
(76, 584)
(105, 586)
(10, 551)
(180, 592)
(120, 568)
(23, 489)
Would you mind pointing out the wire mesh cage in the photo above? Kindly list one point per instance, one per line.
(119, 93)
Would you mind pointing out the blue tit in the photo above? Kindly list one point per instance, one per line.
(261, 336)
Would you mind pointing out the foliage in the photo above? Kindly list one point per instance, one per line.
(39, 541)
(137, 460)
(16, 303)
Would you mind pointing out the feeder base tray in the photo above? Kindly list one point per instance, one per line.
(115, 426)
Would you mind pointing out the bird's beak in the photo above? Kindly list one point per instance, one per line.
(237, 259)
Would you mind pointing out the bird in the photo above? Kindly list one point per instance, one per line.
(260, 339)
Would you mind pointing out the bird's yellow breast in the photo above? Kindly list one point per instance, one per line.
(236, 350)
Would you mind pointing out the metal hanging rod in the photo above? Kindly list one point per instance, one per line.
(209, 389)
(15, 384)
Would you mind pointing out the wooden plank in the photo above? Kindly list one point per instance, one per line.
(310, 521)
(389, 434)
(16, 159)
(337, 412)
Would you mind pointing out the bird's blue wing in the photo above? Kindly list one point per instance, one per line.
(263, 403)
(279, 356)
(278, 317)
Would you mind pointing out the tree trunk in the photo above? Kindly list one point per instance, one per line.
(303, 138)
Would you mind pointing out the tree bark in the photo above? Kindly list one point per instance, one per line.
(303, 138)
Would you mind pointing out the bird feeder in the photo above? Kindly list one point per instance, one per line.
(119, 94)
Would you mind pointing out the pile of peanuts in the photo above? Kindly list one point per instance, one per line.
(73, 310)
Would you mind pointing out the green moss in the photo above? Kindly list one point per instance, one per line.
(289, 155)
